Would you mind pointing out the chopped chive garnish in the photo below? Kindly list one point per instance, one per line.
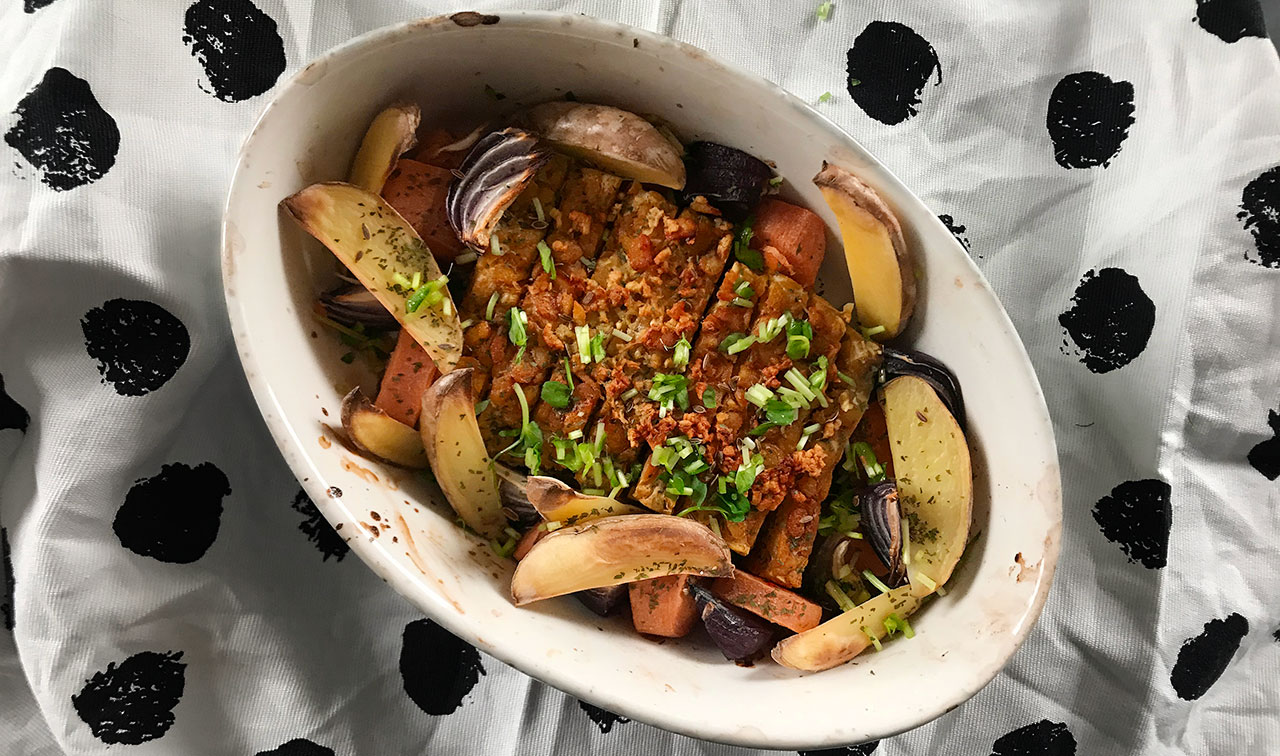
(400, 280)
(681, 357)
(709, 398)
(466, 258)
(824, 11)
(927, 582)
(743, 289)
(417, 280)
(493, 302)
(740, 302)
(583, 336)
(727, 343)
(466, 324)
(515, 328)
(874, 640)
(548, 262)
(568, 372)
(845, 378)
(751, 258)
(838, 595)
(797, 347)
(481, 406)
(824, 97)
(812, 428)
(742, 344)
(597, 347)
(556, 394)
(875, 331)
(696, 466)
(594, 491)
(769, 330)
(775, 181)
(494, 246)
(537, 208)
(759, 394)
(629, 394)
(803, 442)
(870, 578)
(622, 335)
(574, 435)
(779, 412)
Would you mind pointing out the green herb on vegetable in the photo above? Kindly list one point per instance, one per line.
(556, 394)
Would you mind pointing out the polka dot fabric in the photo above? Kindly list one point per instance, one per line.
(166, 588)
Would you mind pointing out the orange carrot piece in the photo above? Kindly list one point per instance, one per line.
(428, 150)
(773, 602)
(796, 234)
(409, 372)
(663, 606)
(417, 191)
(875, 432)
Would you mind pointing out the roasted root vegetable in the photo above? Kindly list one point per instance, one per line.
(898, 362)
(796, 235)
(881, 266)
(387, 256)
(663, 607)
(615, 550)
(935, 482)
(391, 134)
(409, 373)
(740, 635)
(458, 458)
(730, 179)
(417, 191)
(614, 140)
(378, 434)
(558, 502)
(838, 640)
(768, 600)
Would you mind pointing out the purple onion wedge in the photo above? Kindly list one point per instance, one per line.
(356, 305)
(882, 525)
(603, 601)
(740, 635)
(497, 169)
(729, 178)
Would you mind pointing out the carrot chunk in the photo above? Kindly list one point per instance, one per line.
(417, 191)
(797, 235)
(773, 602)
(663, 606)
(409, 372)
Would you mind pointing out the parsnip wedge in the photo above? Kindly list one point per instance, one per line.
(451, 437)
(838, 640)
(617, 141)
(880, 264)
(385, 253)
(558, 502)
(392, 133)
(616, 550)
(379, 434)
(935, 481)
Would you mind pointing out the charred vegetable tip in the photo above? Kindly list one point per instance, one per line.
(495, 172)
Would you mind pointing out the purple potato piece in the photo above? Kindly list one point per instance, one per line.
(932, 371)
(741, 636)
(603, 601)
(730, 179)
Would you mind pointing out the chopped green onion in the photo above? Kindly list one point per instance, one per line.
(537, 208)
(874, 640)
(669, 390)
(743, 289)
(709, 398)
(870, 578)
(741, 344)
(838, 595)
(895, 624)
(769, 330)
(681, 357)
(845, 378)
(400, 280)
(759, 394)
(775, 181)
(824, 97)
(801, 385)
(503, 550)
(597, 347)
(803, 442)
(466, 258)
(494, 246)
(556, 394)
(548, 262)
(417, 280)
(824, 12)
(942, 591)
(629, 394)
(493, 302)
(797, 347)
(778, 412)
(740, 302)
(583, 336)
(575, 434)
(481, 406)
(515, 327)
(599, 444)
(568, 372)
(622, 335)
(727, 343)
(875, 331)
(697, 466)
(751, 258)
(552, 526)
(812, 428)
(594, 491)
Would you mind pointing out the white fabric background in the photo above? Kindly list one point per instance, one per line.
(280, 643)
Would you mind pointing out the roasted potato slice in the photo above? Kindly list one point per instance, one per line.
(881, 265)
(615, 550)
(838, 640)
(392, 133)
(462, 467)
(935, 481)
(617, 141)
(558, 502)
(379, 434)
(384, 252)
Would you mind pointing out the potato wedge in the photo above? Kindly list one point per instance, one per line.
(377, 245)
(617, 141)
(392, 133)
(838, 640)
(379, 434)
(556, 501)
(880, 264)
(616, 550)
(456, 450)
(935, 481)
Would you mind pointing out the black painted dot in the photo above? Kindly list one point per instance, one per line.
(861, 749)
(437, 668)
(1089, 118)
(1231, 20)
(318, 529)
(7, 607)
(12, 415)
(238, 46)
(1137, 516)
(63, 132)
(31, 6)
(1110, 319)
(174, 516)
(298, 747)
(1203, 659)
(1043, 738)
(1276, 635)
(1260, 211)
(139, 345)
(888, 67)
(1265, 456)
(133, 702)
(603, 718)
(957, 230)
